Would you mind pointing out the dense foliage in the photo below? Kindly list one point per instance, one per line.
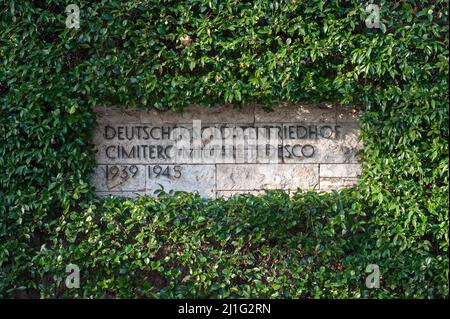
(168, 54)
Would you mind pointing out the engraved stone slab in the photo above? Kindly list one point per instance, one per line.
(221, 151)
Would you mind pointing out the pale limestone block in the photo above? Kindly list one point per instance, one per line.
(325, 150)
(188, 178)
(266, 176)
(228, 194)
(287, 163)
(335, 183)
(340, 170)
(119, 178)
(297, 113)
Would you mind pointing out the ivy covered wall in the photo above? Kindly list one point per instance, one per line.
(169, 54)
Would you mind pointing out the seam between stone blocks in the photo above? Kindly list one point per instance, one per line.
(215, 181)
(319, 176)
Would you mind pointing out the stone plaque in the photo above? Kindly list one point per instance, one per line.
(223, 151)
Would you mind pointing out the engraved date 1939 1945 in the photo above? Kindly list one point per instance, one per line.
(124, 172)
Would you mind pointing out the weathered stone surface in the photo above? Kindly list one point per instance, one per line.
(305, 146)
(208, 115)
(228, 194)
(266, 176)
(114, 115)
(288, 113)
(119, 178)
(120, 194)
(340, 150)
(188, 178)
(340, 170)
(331, 183)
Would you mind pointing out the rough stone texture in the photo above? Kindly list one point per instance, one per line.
(334, 183)
(343, 150)
(120, 194)
(288, 113)
(228, 194)
(115, 115)
(340, 170)
(199, 178)
(267, 176)
(247, 169)
(208, 115)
